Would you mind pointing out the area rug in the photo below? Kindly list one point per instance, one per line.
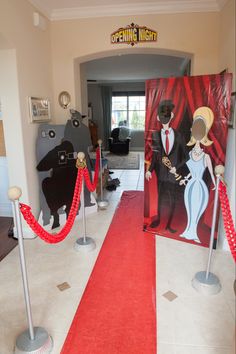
(122, 162)
(117, 313)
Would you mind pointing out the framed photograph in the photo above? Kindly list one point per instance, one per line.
(39, 109)
(232, 117)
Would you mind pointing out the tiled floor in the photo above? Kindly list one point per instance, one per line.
(190, 324)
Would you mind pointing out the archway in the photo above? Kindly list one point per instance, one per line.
(142, 63)
(80, 75)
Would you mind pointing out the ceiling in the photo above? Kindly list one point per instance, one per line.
(134, 67)
(71, 9)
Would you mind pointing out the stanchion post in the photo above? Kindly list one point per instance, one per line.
(102, 203)
(213, 225)
(205, 281)
(35, 339)
(84, 243)
(83, 211)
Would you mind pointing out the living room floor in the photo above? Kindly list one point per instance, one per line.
(189, 324)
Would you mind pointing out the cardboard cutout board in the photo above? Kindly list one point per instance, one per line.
(185, 138)
(49, 136)
(79, 135)
(56, 150)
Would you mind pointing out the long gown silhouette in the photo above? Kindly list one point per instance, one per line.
(196, 197)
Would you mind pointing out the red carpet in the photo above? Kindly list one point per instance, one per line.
(117, 313)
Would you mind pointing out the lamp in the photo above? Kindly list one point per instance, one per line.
(64, 99)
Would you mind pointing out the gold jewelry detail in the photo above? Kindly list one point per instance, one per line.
(81, 163)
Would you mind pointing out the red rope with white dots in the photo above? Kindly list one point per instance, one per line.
(61, 235)
(92, 185)
(228, 219)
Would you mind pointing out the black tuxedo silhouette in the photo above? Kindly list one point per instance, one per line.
(166, 182)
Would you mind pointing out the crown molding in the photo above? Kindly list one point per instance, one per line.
(221, 3)
(145, 8)
(44, 10)
(163, 7)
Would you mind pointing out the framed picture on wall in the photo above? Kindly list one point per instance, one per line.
(232, 117)
(39, 110)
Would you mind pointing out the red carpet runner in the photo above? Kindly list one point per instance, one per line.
(117, 313)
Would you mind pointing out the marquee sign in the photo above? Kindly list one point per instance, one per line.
(133, 34)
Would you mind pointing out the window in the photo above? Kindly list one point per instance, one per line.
(128, 109)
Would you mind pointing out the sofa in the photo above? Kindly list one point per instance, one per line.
(119, 141)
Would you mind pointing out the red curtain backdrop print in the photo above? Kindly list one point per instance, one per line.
(187, 94)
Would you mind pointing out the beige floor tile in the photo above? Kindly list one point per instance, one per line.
(178, 262)
(165, 321)
(164, 348)
(221, 262)
(202, 321)
(232, 306)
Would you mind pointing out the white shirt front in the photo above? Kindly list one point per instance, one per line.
(171, 137)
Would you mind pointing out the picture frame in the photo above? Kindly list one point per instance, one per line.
(232, 117)
(39, 109)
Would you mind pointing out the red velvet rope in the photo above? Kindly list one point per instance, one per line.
(92, 185)
(228, 219)
(57, 237)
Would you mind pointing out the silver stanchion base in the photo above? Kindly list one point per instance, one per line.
(87, 244)
(103, 204)
(42, 343)
(210, 286)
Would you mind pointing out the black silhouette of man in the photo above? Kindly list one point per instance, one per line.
(166, 143)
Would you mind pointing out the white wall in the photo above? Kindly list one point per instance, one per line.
(87, 39)
(11, 116)
(5, 204)
(227, 61)
(25, 71)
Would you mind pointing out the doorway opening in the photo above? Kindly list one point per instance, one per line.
(125, 72)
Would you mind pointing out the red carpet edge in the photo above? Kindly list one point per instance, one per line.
(117, 313)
